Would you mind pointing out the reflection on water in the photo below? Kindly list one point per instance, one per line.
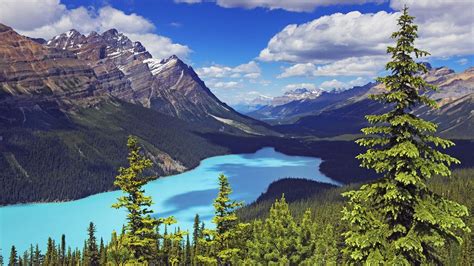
(181, 195)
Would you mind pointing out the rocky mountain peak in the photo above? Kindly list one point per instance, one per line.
(111, 32)
(469, 70)
(71, 39)
(113, 38)
(4, 28)
(427, 65)
(442, 71)
(171, 63)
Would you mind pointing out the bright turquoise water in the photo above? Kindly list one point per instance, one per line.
(181, 195)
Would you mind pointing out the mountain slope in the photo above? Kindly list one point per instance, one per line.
(291, 110)
(345, 113)
(168, 86)
(68, 104)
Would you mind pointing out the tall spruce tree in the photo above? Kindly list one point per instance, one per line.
(93, 256)
(222, 242)
(140, 230)
(13, 261)
(37, 257)
(397, 219)
(63, 249)
(140, 236)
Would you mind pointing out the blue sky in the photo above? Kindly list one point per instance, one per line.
(246, 48)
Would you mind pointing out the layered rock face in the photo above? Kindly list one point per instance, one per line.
(73, 69)
(127, 71)
(30, 71)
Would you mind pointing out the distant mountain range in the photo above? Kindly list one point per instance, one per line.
(67, 105)
(342, 112)
(262, 101)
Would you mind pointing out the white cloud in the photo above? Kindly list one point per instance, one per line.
(48, 18)
(446, 27)
(463, 61)
(336, 84)
(26, 15)
(110, 17)
(215, 84)
(160, 46)
(289, 5)
(354, 43)
(304, 69)
(250, 70)
(352, 66)
(334, 37)
(310, 86)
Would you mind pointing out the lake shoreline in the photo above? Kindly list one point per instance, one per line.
(182, 196)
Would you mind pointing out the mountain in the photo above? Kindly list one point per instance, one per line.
(300, 94)
(262, 102)
(68, 104)
(168, 86)
(329, 115)
(292, 109)
(254, 104)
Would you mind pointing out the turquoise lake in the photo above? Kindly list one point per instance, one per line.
(181, 195)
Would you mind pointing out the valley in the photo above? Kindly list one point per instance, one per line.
(62, 133)
(192, 132)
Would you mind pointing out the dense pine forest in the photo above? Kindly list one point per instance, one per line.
(416, 212)
(301, 229)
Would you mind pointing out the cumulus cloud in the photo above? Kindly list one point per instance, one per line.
(446, 27)
(226, 77)
(289, 5)
(160, 46)
(333, 45)
(310, 86)
(249, 70)
(216, 84)
(352, 66)
(337, 84)
(48, 18)
(26, 15)
(334, 37)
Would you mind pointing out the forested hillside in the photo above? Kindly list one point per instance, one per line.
(81, 154)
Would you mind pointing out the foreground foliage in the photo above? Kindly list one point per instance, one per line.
(307, 232)
(398, 219)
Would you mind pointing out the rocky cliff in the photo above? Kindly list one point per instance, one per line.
(74, 70)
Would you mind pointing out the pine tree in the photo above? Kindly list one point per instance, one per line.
(141, 228)
(32, 254)
(37, 257)
(306, 237)
(68, 259)
(63, 249)
(222, 242)
(102, 252)
(13, 257)
(1, 257)
(50, 257)
(25, 259)
(117, 252)
(196, 232)
(275, 242)
(188, 252)
(93, 257)
(397, 219)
